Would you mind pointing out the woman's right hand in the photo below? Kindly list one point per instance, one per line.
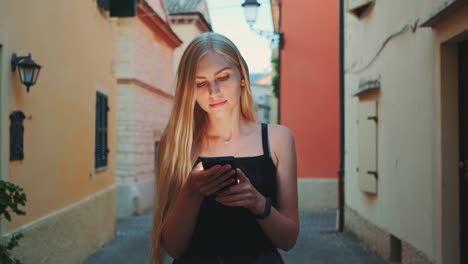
(208, 182)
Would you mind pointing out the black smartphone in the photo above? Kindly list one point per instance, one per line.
(210, 162)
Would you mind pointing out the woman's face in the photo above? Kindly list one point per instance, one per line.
(217, 85)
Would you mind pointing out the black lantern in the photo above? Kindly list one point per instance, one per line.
(251, 9)
(27, 68)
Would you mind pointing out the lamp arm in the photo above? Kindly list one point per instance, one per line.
(17, 59)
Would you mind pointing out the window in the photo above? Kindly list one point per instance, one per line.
(101, 151)
(156, 150)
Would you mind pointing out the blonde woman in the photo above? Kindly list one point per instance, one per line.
(200, 216)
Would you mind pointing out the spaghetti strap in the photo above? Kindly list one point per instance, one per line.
(265, 143)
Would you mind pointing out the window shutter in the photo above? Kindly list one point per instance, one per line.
(101, 148)
(368, 175)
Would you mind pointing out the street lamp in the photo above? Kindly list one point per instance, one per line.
(28, 69)
(251, 10)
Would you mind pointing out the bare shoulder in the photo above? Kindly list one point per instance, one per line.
(281, 141)
(278, 133)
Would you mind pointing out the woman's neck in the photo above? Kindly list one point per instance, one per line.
(225, 129)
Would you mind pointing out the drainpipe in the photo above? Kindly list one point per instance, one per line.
(280, 47)
(341, 172)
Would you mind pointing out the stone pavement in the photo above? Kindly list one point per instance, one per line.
(318, 243)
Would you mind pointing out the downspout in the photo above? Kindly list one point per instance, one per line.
(341, 172)
(280, 47)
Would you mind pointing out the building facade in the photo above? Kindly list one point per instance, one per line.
(58, 140)
(405, 74)
(188, 19)
(309, 94)
(265, 101)
(144, 72)
(150, 47)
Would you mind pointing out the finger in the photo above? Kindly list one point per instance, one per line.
(222, 185)
(241, 203)
(198, 166)
(233, 198)
(221, 179)
(214, 175)
(241, 176)
(238, 188)
(205, 176)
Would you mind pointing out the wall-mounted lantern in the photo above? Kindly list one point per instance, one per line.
(27, 68)
(251, 10)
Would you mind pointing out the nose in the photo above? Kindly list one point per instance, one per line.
(214, 87)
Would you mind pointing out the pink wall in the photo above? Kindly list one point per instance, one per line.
(309, 96)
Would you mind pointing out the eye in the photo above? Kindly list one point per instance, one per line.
(201, 84)
(223, 78)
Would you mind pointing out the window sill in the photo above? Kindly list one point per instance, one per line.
(100, 169)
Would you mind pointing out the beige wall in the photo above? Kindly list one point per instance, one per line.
(417, 188)
(145, 81)
(413, 155)
(186, 32)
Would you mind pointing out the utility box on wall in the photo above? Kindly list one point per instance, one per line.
(122, 8)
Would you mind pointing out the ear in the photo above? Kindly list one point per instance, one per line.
(243, 82)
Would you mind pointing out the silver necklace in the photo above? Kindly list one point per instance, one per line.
(226, 141)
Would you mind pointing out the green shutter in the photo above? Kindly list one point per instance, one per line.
(101, 148)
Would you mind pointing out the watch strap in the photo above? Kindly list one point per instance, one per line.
(266, 210)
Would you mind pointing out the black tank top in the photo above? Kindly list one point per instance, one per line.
(229, 231)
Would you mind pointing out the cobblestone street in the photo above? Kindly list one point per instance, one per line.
(318, 243)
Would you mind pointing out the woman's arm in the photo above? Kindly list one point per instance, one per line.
(282, 225)
(178, 228)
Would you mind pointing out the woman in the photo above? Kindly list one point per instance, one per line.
(197, 219)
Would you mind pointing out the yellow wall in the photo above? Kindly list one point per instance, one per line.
(75, 44)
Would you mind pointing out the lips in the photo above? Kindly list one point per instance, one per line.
(218, 103)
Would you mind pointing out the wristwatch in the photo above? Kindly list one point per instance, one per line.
(266, 211)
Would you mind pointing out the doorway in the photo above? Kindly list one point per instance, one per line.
(463, 134)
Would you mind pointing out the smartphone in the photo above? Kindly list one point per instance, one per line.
(210, 162)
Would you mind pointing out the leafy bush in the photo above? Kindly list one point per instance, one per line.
(11, 196)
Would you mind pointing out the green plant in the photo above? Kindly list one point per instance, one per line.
(11, 197)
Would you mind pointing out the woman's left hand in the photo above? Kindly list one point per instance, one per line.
(243, 194)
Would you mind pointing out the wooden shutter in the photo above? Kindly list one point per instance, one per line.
(368, 146)
(101, 148)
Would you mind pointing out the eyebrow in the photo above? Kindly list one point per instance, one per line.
(225, 68)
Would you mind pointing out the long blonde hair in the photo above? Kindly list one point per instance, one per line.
(180, 142)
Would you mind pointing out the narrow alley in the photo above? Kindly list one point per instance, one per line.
(318, 243)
